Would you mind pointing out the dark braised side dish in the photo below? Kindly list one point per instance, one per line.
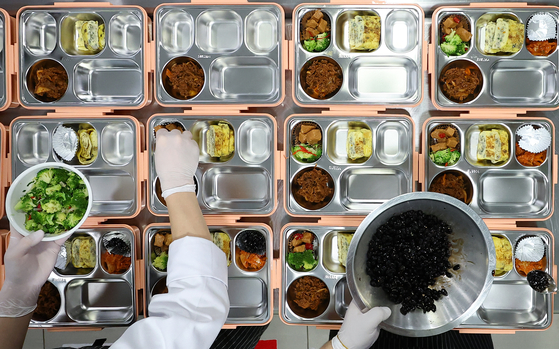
(310, 292)
(314, 186)
(187, 79)
(407, 255)
(452, 185)
(460, 83)
(323, 78)
(51, 83)
(48, 303)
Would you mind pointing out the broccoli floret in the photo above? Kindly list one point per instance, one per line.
(31, 225)
(160, 262)
(452, 38)
(60, 175)
(60, 218)
(322, 42)
(72, 220)
(453, 45)
(445, 157)
(51, 190)
(454, 157)
(49, 219)
(302, 260)
(309, 45)
(45, 175)
(25, 204)
(52, 206)
(448, 48)
(38, 217)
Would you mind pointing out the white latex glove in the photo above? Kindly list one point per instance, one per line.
(28, 264)
(360, 330)
(176, 161)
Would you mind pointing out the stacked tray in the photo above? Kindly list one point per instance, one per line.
(5, 93)
(512, 303)
(114, 76)
(96, 298)
(238, 48)
(113, 175)
(359, 186)
(242, 183)
(507, 79)
(502, 190)
(250, 292)
(329, 270)
(389, 75)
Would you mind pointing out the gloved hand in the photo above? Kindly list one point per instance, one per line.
(360, 330)
(176, 161)
(28, 263)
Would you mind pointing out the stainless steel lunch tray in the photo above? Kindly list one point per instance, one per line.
(113, 175)
(241, 65)
(329, 270)
(390, 75)
(510, 190)
(245, 183)
(4, 74)
(511, 302)
(360, 187)
(519, 80)
(114, 77)
(250, 293)
(96, 299)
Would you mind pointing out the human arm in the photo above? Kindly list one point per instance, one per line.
(359, 330)
(28, 263)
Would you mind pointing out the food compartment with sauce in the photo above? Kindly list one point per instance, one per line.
(355, 164)
(84, 290)
(72, 57)
(235, 54)
(110, 165)
(495, 184)
(373, 53)
(237, 163)
(319, 292)
(507, 69)
(250, 289)
(511, 302)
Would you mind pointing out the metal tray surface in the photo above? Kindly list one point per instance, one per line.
(96, 299)
(239, 47)
(329, 270)
(508, 190)
(359, 187)
(512, 303)
(242, 184)
(113, 175)
(3, 76)
(389, 75)
(112, 77)
(250, 293)
(517, 80)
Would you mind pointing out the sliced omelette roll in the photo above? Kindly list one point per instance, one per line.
(220, 140)
(359, 143)
(223, 241)
(493, 146)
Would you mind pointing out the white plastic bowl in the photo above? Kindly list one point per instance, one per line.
(21, 183)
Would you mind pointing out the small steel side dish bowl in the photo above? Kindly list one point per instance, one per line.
(20, 185)
(466, 290)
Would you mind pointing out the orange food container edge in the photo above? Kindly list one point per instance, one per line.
(9, 59)
(4, 168)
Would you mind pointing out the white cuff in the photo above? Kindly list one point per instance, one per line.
(337, 344)
(189, 188)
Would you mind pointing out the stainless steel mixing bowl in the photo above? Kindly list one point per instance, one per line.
(466, 290)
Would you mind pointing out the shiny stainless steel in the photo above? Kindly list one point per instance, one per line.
(329, 270)
(466, 291)
(241, 185)
(113, 77)
(510, 190)
(519, 80)
(250, 293)
(238, 47)
(511, 302)
(390, 75)
(95, 299)
(360, 186)
(3, 75)
(113, 175)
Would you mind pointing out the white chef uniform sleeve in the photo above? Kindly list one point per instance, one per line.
(194, 310)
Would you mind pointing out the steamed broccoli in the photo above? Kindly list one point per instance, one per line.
(53, 189)
(52, 206)
(72, 220)
(160, 262)
(309, 45)
(45, 175)
(453, 45)
(25, 204)
(302, 260)
(317, 43)
(446, 157)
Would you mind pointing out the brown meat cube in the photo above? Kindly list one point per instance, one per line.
(311, 23)
(464, 34)
(168, 239)
(322, 26)
(306, 35)
(438, 146)
(300, 248)
(317, 16)
(314, 137)
(312, 32)
(296, 242)
(452, 142)
(307, 238)
(450, 131)
(450, 23)
(159, 240)
(438, 134)
(307, 128)
(303, 138)
(447, 31)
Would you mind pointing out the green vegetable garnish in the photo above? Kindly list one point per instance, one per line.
(56, 202)
(317, 43)
(446, 157)
(453, 45)
(302, 260)
(160, 262)
(307, 153)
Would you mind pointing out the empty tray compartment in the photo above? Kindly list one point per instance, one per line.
(261, 34)
(39, 32)
(32, 143)
(251, 78)
(114, 192)
(254, 141)
(219, 31)
(247, 298)
(176, 31)
(125, 33)
(393, 144)
(117, 143)
(342, 297)
(401, 31)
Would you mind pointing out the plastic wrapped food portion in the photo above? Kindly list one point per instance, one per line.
(223, 241)
(83, 252)
(90, 36)
(503, 250)
(364, 33)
